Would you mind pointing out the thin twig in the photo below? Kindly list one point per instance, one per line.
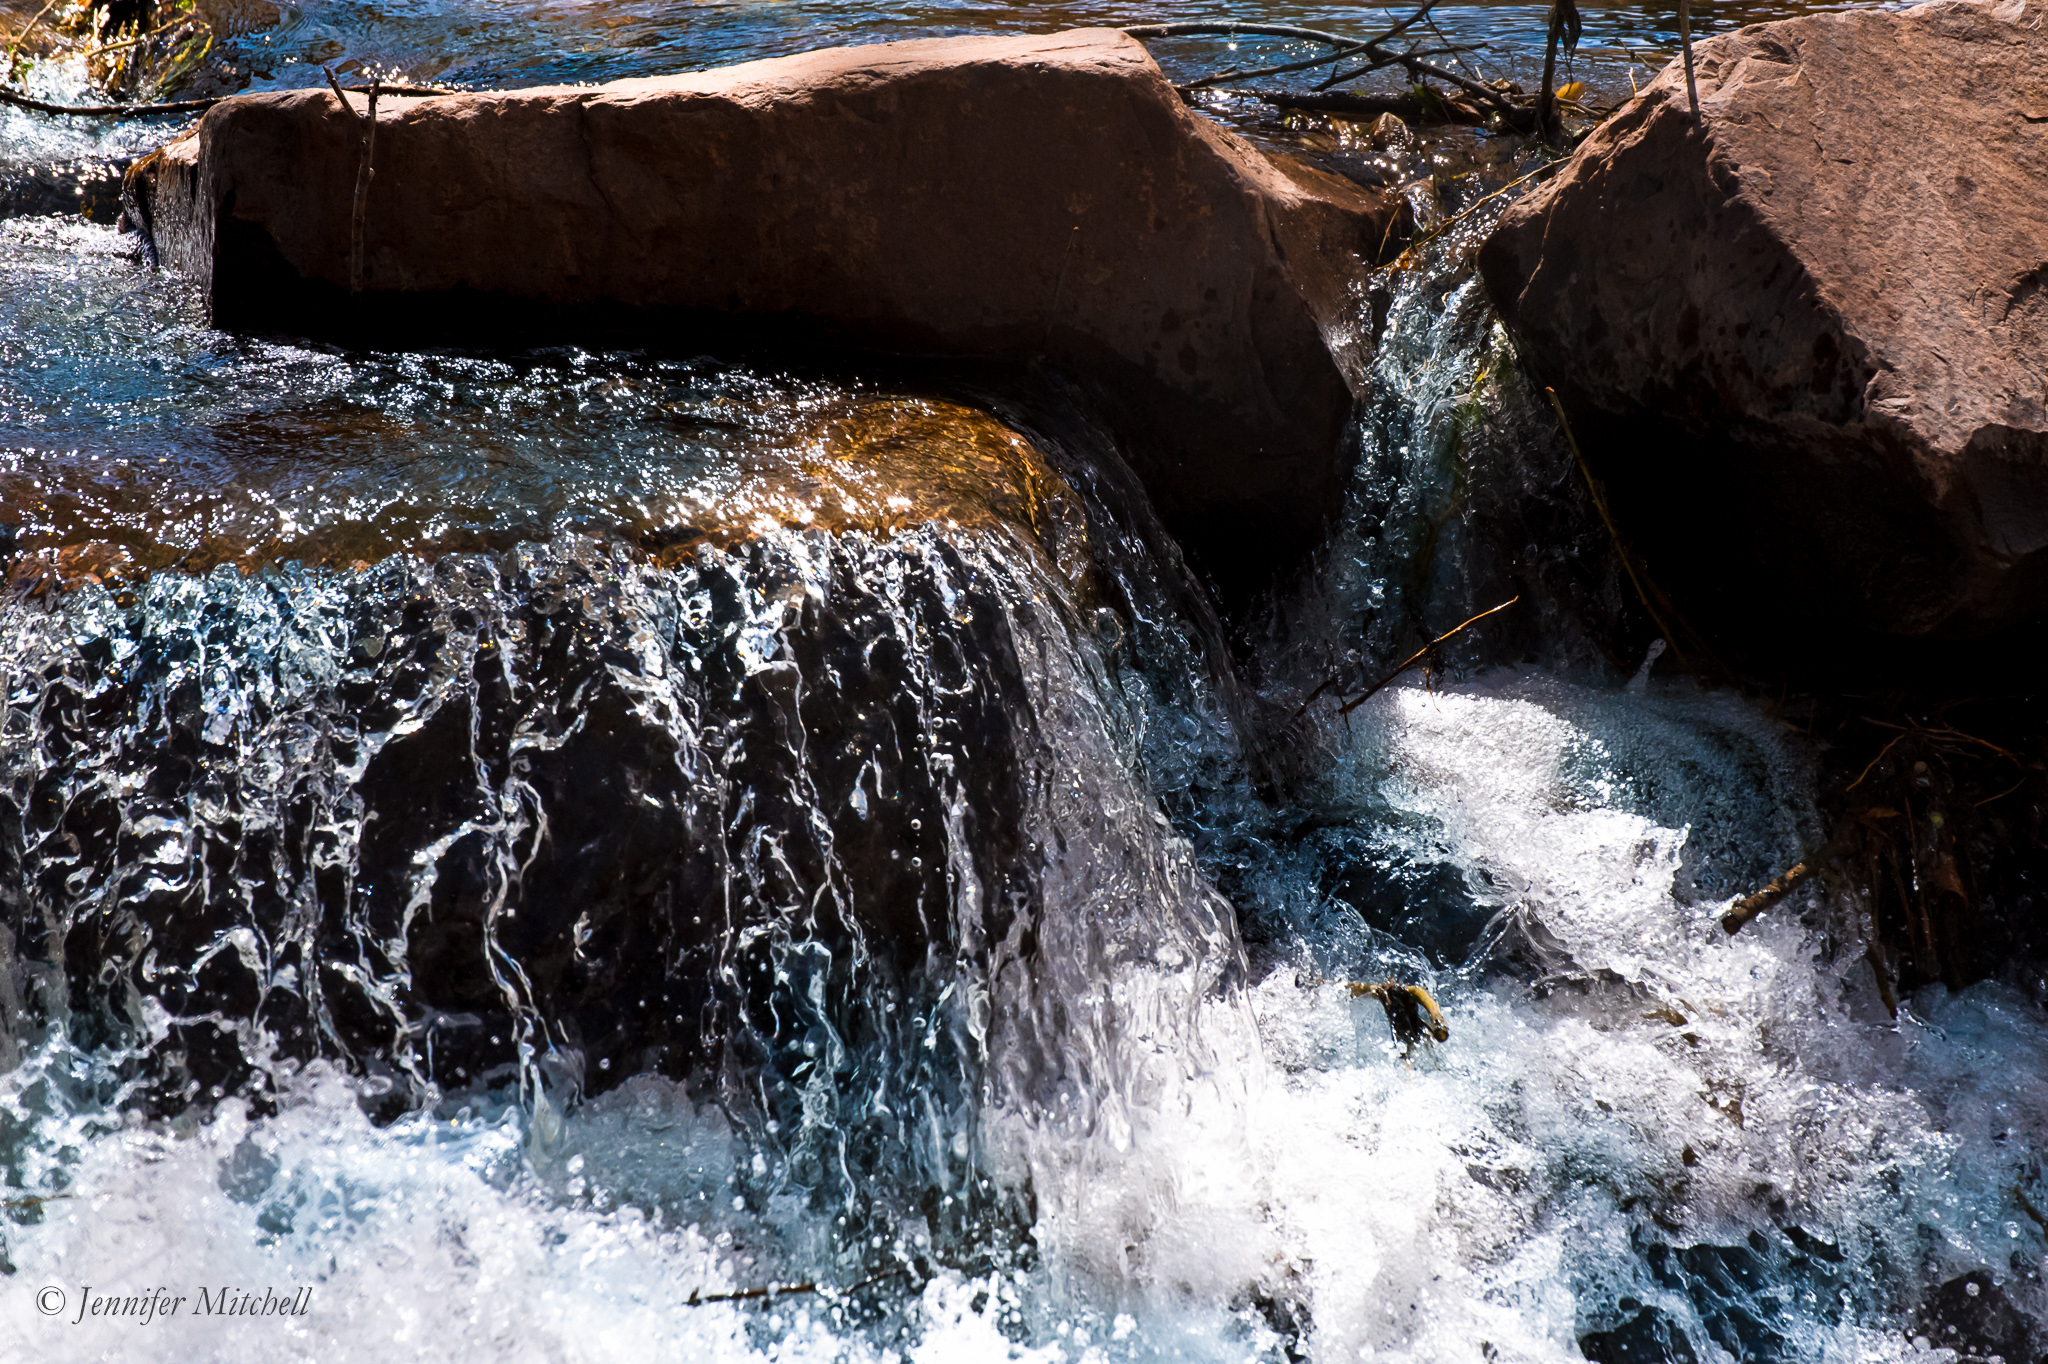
(697, 1299)
(1444, 38)
(1232, 30)
(1546, 100)
(1481, 202)
(1614, 532)
(1409, 22)
(1692, 91)
(1415, 66)
(1509, 114)
(1943, 732)
(183, 106)
(14, 47)
(1872, 763)
(2001, 795)
(1417, 657)
(159, 30)
(365, 173)
(1247, 73)
(1380, 61)
(187, 106)
(1229, 29)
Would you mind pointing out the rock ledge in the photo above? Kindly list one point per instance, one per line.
(992, 199)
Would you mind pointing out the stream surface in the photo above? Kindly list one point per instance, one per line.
(502, 849)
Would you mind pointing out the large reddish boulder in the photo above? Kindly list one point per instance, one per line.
(1805, 339)
(1004, 199)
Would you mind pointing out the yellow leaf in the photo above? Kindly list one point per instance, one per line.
(1571, 89)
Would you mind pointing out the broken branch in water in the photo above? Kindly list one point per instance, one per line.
(1379, 61)
(1406, 1006)
(698, 1298)
(1345, 48)
(183, 106)
(1420, 655)
(1247, 73)
(1227, 29)
(1425, 654)
(1749, 906)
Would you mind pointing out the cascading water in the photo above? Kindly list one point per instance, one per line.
(589, 830)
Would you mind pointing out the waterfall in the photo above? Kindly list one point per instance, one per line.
(584, 853)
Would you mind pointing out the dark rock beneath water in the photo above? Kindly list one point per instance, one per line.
(1971, 1315)
(1806, 339)
(1648, 1337)
(89, 188)
(988, 199)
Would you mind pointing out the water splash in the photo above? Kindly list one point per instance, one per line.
(572, 921)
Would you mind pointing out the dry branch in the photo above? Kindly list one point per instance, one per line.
(1423, 655)
(1749, 906)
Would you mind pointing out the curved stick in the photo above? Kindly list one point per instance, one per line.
(185, 106)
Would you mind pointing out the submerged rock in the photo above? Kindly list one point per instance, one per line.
(988, 199)
(1805, 339)
(837, 461)
(1972, 1315)
(89, 188)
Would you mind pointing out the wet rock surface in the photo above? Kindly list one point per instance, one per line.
(991, 199)
(1806, 339)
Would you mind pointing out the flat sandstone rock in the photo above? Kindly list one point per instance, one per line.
(1807, 339)
(1000, 199)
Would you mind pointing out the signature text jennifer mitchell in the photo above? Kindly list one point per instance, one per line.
(157, 1303)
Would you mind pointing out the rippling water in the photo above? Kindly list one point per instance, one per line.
(508, 842)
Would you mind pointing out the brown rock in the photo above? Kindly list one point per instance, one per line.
(1806, 340)
(998, 199)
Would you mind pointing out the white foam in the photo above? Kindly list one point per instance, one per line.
(1275, 1154)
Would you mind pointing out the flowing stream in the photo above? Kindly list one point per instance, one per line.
(508, 850)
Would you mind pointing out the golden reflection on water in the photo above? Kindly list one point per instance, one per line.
(881, 464)
(839, 462)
